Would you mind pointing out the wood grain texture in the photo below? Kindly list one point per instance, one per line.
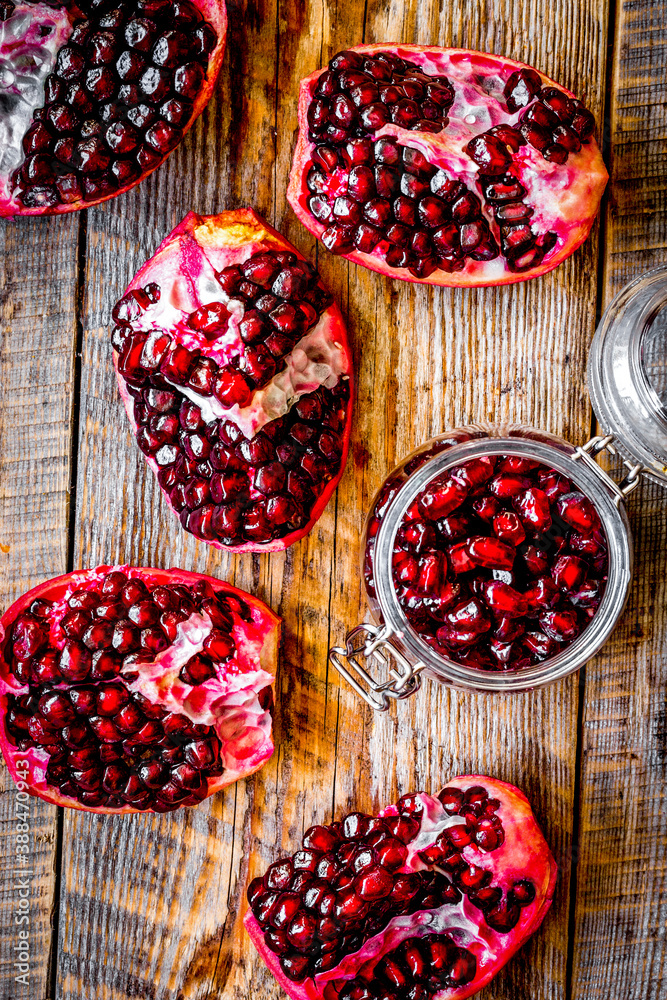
(150, 906)
(621, 878)
(38, 284)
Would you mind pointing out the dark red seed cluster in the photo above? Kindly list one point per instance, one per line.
(224, 486)
(553, 123)
(358, 94)
(350, 878)
(119, 99)
(417, 216)
(417, 969)
(108, 746)
(499, 564)
(382, 197)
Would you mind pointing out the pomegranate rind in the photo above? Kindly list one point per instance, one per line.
(524, 853)
(28, 768)
(222, 240)
(576, 197)
(215, 12)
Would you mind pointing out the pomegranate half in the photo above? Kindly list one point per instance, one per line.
(135, 690)
(235, 371)
(428, 899)
(444, 166)
(94, 94)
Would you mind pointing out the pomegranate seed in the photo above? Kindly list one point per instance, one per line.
(441, 499)
(490, 552)
(508, 528)
(533, 508)
(577, 511)
(560, 625)
(521, 87)
(373, 883)
(469, 616)
(489, 153)
(569, 572)
(543, 593)
(504, 600)
(523, 892)
(508, 485)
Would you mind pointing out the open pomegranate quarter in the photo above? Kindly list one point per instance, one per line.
(428, 899)
(444, 166)
(236, 376)
(94, 94)
(126, 689)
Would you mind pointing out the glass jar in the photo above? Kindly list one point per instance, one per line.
(627, 374)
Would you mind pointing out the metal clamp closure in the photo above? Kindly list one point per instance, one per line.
(630, 481)
(374, 644)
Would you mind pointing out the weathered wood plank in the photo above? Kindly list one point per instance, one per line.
(38, 282)
(426, 359)
(154, 919)
(622, 884)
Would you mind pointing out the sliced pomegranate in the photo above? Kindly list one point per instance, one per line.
(96, 94)
(428, 899)
(521, 567)
(135, 690)
(444, 166)
(235, 372)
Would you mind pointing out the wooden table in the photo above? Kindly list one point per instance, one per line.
(150, 906)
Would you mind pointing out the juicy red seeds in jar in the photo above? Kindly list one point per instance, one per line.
(521, 561)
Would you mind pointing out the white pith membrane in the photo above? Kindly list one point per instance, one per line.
(564, 197)
(313, 362)
(29, 44)
(228, 702)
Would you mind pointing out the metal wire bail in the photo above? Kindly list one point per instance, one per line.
(373, 644)
(630, 481)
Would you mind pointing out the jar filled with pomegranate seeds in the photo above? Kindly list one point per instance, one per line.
(499, 558)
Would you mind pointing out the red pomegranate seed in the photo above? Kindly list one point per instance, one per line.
(373, 883)
(441, 499)
(508, 484)
(569, 572)
(560, 625)
(533, 508)
(521, 87)
(469, 616)
(577, 511)
(508, 528)
(490, 552)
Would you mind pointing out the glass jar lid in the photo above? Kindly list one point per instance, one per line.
(627, 373)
